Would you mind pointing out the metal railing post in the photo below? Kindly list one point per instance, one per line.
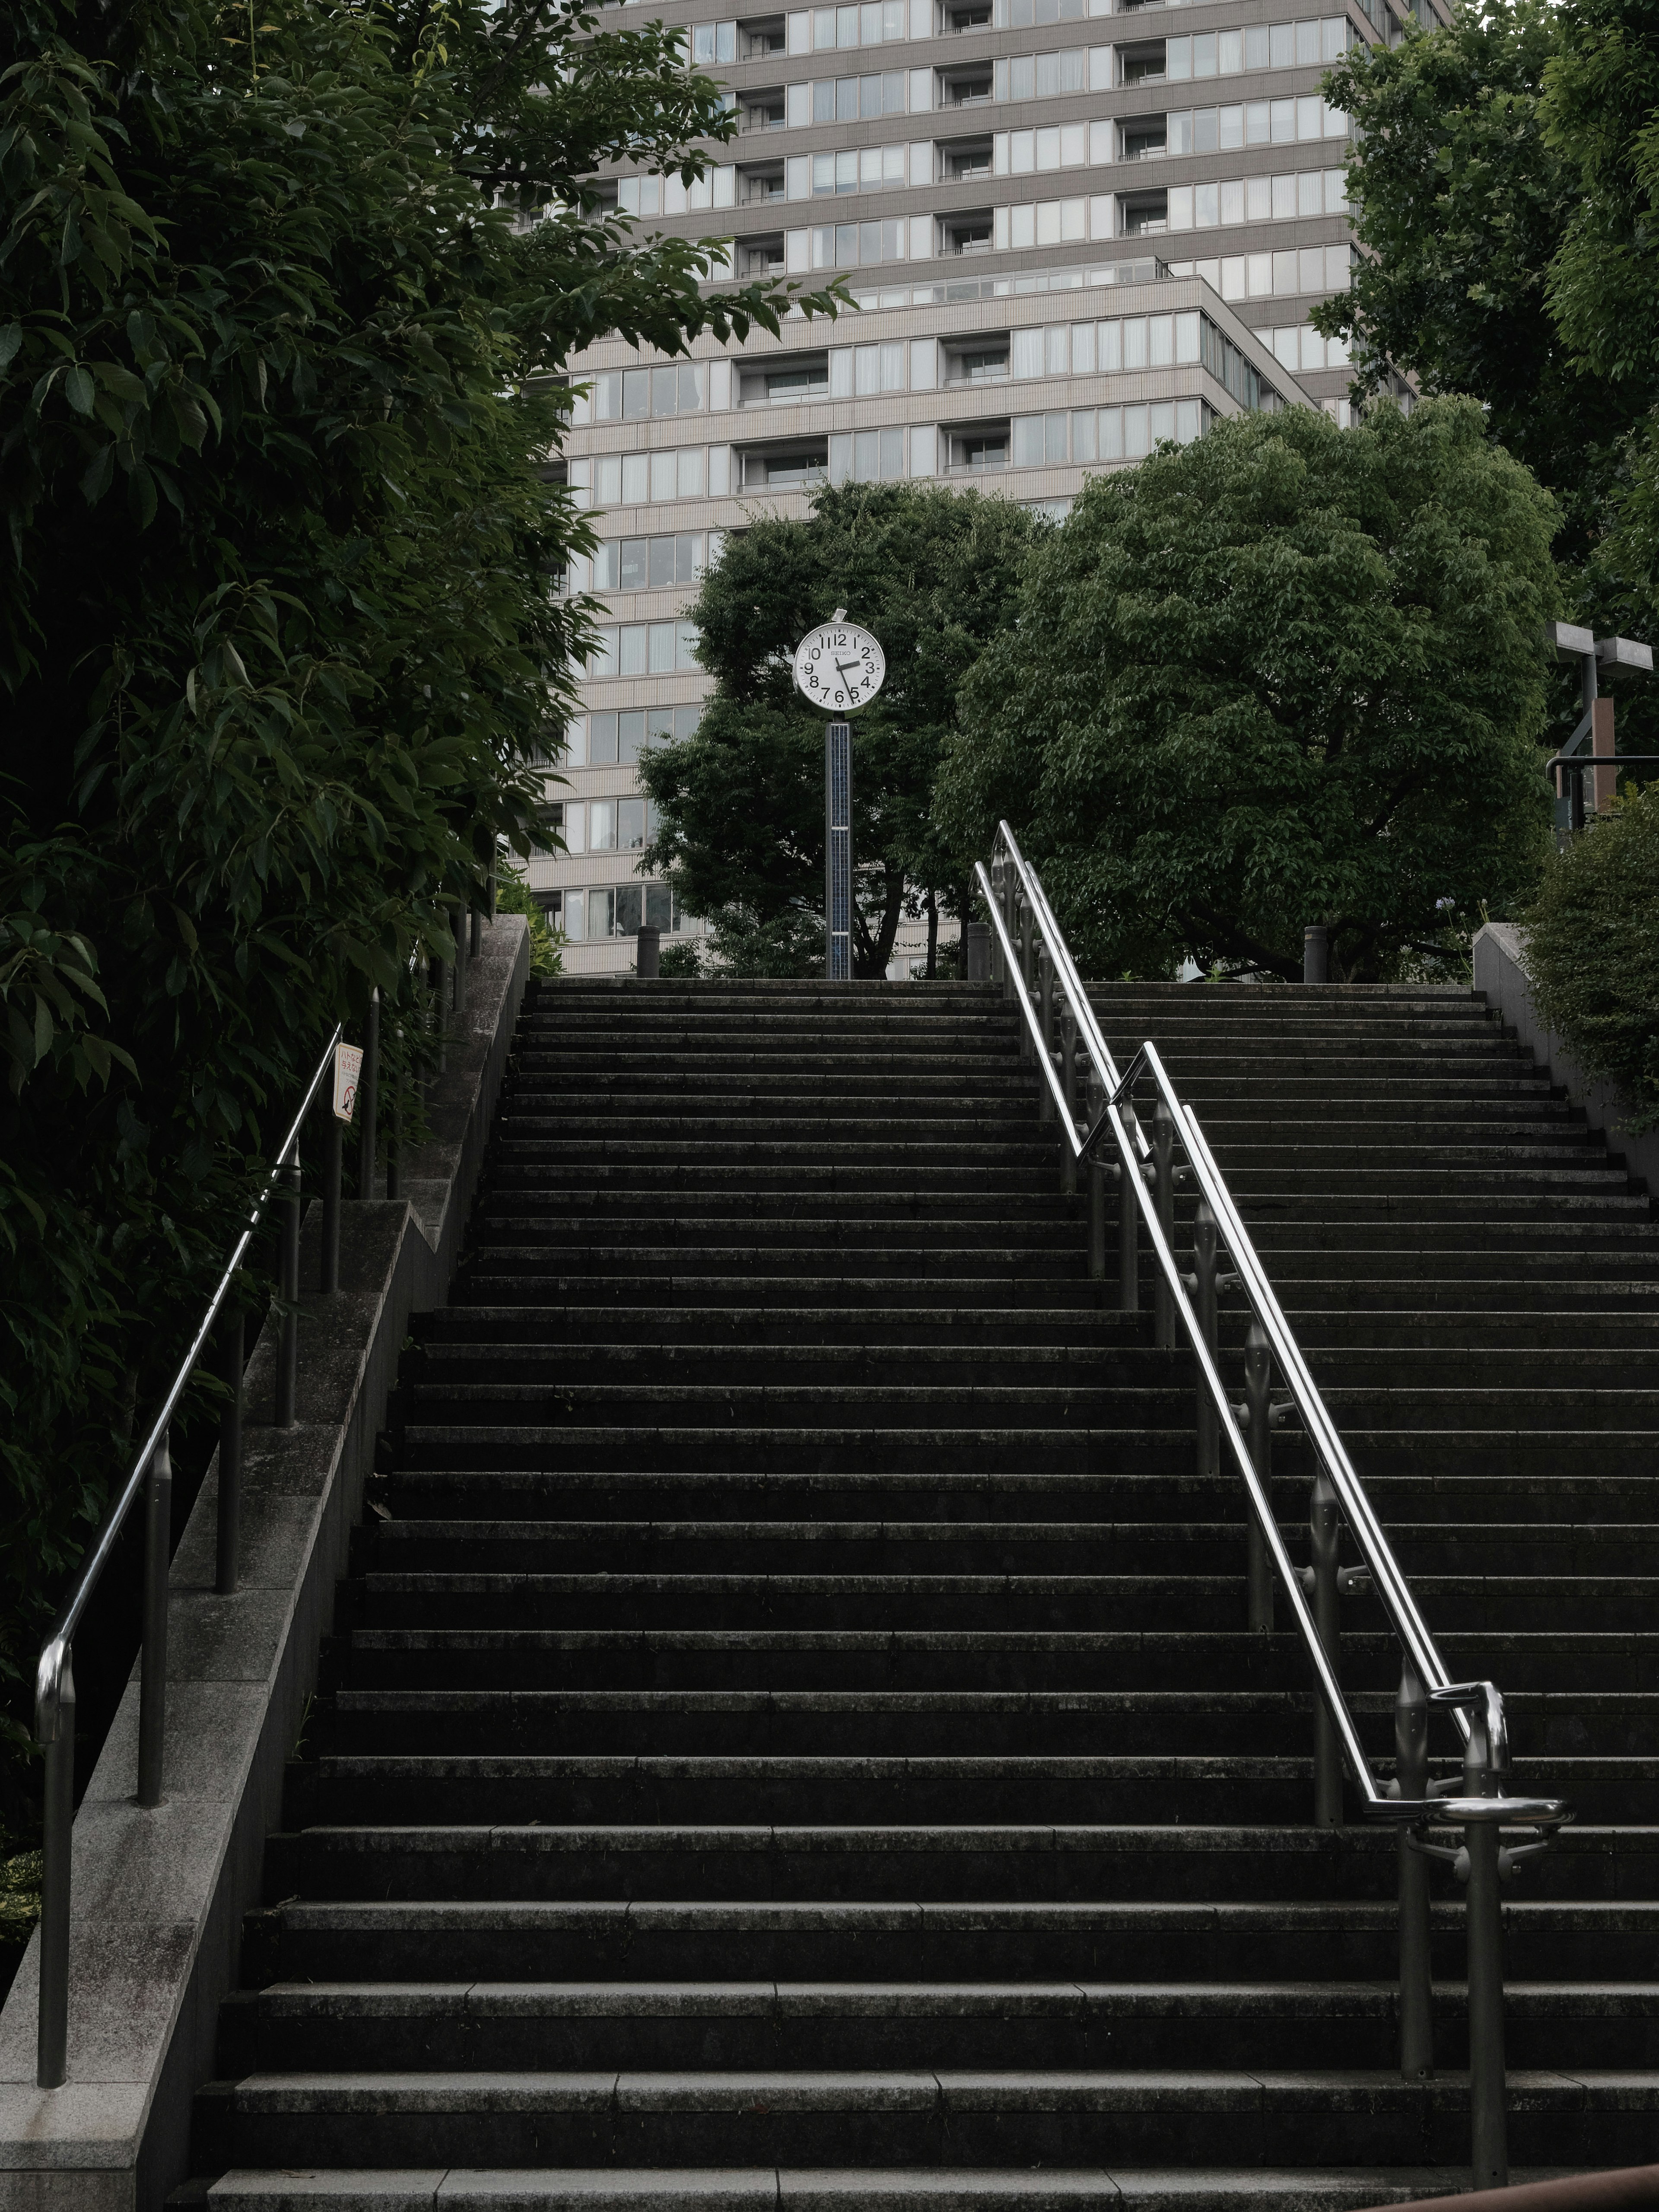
(476, 933)
(1321, 1579)
(1046, 1023)
(287, 1349)
(1068, 1089)
(440, 983)
(57, 1794)
(1205, 1302)
(1411, 1753)
(1163, 1196)
(368, 1101)
(1097, 1222)
(394, 1143)
(328, 1276)
(233, 1354)
(1485, 1768)
(153, 1669)
(1128, 1226)
(1027, 945)
(1259, 1436)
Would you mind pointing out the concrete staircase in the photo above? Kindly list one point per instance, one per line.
(790, 1731)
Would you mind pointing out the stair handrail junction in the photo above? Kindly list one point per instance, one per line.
(1037, 972)
(151, 1471)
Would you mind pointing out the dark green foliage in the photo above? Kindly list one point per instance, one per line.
(513, 897)
(1593, 951)
(277, 384)
(681, 961)
(740, 804)
(1288, 673)
(1462, 200)
(1506, 187)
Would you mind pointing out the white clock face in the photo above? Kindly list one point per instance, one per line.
(839, 667)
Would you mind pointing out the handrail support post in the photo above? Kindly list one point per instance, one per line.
(1128, 1225)
(1484, 1764)
(288, 1350)
(1258, 1436)
(368, 1101)
(1046, 1022)
(152, 1666)
(51, 2023)
(328, 1274)
(1322, 1551)
(1068, 1091)
(1411, 1750)
(1163, 1197)
(1205, 1301)
(233, 1352)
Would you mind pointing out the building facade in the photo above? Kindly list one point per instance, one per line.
(1071, 232)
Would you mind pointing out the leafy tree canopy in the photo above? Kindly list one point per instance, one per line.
(1287, 673)
(1505, 186)
(278, 384)
(739, 805)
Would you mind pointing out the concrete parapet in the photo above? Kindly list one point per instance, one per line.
(1500, 976)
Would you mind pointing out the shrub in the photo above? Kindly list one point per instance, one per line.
(1593, 951)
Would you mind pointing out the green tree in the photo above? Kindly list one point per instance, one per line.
(1285, 674)
(1504, 186)
(739, 805)
(1601, 108)
(1462, 198)
(280, 369)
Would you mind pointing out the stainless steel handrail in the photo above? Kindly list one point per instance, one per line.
(1146, 1168)
(151, 1471)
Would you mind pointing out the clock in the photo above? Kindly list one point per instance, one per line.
(839, 667)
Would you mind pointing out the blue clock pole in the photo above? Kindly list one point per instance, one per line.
(838, 852)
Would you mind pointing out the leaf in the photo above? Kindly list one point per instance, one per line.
(79, 389)
(100, 475)
(11, 339)
(141, 496)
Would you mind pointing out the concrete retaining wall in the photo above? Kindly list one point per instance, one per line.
(159, 1896)
(1500, 975)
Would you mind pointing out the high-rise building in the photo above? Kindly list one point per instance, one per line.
(1072, 230)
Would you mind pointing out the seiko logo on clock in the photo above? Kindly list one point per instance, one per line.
(839, 667)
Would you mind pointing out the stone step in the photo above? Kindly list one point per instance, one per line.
(1206, 1783)
(765, 2189)
(1611, 1665)
(990, 1313)
(943, 1600)
(513, 1372)
(1009, 1451)
(1059, 2024)
(517, 1544)
(1019, 1863)
(731, 2118)
(612, 1935)
(1070, 1406)
(865, 1723)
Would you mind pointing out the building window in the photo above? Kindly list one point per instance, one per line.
(640, 564)
(607, 739)
(643, 649)
(867, 456)
(713, 42)
(616, 910)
